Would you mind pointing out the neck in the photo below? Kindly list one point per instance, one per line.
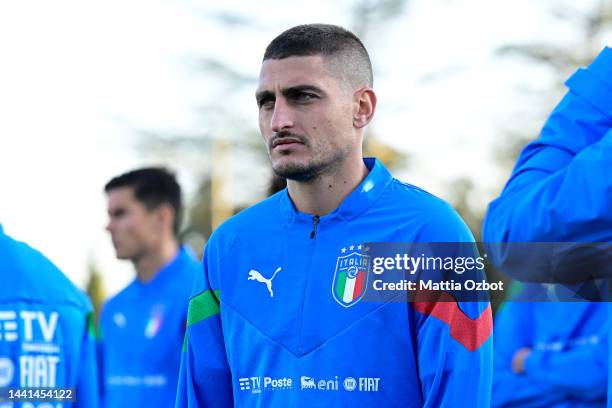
(149, 265)
(324, 193)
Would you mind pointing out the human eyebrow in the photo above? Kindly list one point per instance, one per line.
(264, 96)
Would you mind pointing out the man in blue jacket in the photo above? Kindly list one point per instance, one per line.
(46, 331)
(277, 317)
(560, 192)
(143, 326)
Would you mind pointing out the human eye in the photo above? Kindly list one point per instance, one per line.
(304, 96)
(265, 102)
(118, 213)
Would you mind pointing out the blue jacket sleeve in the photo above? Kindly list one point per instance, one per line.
(578, 372)
(205, 377)
(87, 378)
(556, 183)
(455, 353)
(454, 342)
(566, 364)
(513, 330)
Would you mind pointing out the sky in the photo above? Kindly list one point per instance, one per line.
(76, 79)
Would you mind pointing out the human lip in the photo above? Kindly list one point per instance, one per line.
(285, 141)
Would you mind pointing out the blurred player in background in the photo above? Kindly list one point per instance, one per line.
(142, 328)
(560, 191)
(547, 353)
(46, 329)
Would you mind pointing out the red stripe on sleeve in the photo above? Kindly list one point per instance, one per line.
(470, 333)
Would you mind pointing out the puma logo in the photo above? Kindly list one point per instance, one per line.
(256, 276)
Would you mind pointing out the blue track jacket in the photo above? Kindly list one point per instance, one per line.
(272, 323)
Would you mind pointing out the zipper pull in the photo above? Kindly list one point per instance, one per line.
(315, 222)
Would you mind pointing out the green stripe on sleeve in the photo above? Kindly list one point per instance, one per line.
(201, 307)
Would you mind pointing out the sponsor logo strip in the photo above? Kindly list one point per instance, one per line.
(259, 384)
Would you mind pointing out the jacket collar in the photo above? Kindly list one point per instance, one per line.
(359, 200)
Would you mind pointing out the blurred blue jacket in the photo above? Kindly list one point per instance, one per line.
(561, 187)
(567, 367)
(46, 327)
(141, 335)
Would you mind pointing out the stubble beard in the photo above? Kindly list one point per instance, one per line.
(315, 168)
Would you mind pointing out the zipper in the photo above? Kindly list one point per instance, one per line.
(315, 222)
(312, 249)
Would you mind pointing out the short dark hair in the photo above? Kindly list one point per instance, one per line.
(152, 186)
(328, 41)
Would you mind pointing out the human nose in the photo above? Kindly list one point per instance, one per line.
(109, 225)
(281, 116)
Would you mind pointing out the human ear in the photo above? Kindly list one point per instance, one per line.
(365, 106)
